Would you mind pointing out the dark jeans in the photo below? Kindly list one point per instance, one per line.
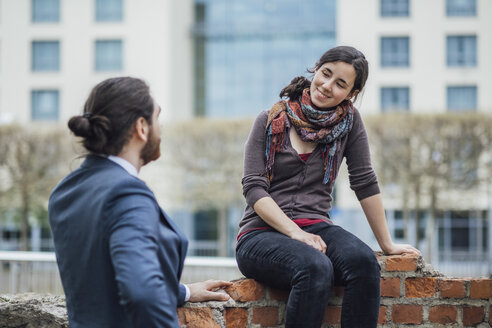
(281, 262)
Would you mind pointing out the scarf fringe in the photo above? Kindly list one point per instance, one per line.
(275, 143)
(323, 127)
(329, 155)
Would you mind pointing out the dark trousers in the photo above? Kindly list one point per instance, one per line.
(283, 263)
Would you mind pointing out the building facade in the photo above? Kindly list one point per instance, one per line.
(426, 57)
(245, 53)
(230, 59)
(52, 52)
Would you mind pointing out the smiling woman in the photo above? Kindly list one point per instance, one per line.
(286, 238)
(332, 84)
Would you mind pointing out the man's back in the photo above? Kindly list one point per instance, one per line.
(100, 217)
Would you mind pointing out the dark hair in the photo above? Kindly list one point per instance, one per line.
(345, 54)
(111, 110)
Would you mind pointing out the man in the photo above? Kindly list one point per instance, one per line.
(120, 256)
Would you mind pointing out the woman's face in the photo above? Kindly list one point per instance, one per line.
(332, 84)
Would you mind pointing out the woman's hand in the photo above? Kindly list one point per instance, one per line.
(272, 214)
(307, 238)
(398, 249)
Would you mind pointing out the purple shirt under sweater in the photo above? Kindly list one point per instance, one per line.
(297, 185)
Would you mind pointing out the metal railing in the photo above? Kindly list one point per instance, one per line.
(37, 271)
(464, 263)
(29, 272)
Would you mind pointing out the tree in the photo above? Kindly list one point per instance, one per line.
(33, 160)
(205, 158)
(426, 156)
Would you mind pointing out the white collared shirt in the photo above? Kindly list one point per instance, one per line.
(124, 164)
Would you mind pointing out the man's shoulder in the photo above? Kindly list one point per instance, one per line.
(101, 176)
(117, 181)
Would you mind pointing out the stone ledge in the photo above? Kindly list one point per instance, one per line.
(412, 295)
(31, 310)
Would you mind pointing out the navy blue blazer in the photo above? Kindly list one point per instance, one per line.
(120, 256)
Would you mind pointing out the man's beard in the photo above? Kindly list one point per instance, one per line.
(152, 149)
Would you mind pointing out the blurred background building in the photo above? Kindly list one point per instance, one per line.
(229, 59)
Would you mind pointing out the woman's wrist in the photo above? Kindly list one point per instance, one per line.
(291, 230)
(387, 247)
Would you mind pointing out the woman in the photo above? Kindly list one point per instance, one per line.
(292, 156)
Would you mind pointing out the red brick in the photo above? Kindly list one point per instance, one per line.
(245, 290)
(443, 314)
(401, 263)
(452, 288)
(480, 288)
(332, 315)
(420, 287)
(278, 295)
(182, 316)
(409, 314)
(236, 318)
(473, 315)
(266, 316)
(196, 318)
(382, 315)
(390, 287)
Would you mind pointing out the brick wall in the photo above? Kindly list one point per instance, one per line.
(412, 295)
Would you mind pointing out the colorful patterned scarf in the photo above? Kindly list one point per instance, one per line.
(325, 127)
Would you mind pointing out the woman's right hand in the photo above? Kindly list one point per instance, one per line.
(310, 239)
(273, 215)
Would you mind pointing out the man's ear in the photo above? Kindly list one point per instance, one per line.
(142, 129)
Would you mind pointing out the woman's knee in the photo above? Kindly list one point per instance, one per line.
(284, 264)
(315, 273)
(364, 264)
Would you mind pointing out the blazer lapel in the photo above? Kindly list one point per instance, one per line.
(183, 245)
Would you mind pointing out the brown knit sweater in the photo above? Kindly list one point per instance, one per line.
(297, 186)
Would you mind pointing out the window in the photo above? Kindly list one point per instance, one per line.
(243, 50)
(206, 225)
(461, 7)
(395, 52)
(108, 55)
(460, 230)
(44, 105)
(395, 99)
(109, 10)
(463, 235)
(462, 98)
(399, 227)
(45, 11)
(416, 219)
(462, 50)
(395, 8)
(45, 56)
(206, 233)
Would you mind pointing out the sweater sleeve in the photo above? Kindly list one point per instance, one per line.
(362, 177)
(255, 183)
